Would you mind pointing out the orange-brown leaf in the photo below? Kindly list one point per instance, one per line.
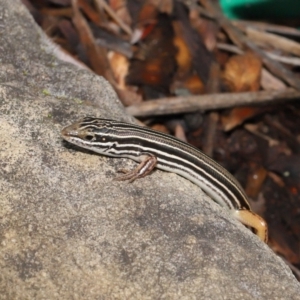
(242, 73)
(238, 115)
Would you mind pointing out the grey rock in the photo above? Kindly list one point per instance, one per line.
(68, 231)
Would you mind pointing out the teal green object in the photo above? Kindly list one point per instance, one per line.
(261, 9)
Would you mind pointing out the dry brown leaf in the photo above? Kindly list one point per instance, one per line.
(154, 63)
(90, 12)
(147, 15)
(161, 128)
(119, 65)
(129, 96)
(238, 115)
(207, 29)
(242, 73)
(120, 8)
(163, 6)
(194, 85)
(183, 57)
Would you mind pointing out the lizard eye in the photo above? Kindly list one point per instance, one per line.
(89, 137)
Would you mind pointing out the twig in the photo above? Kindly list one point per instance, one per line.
(208, 146)
(113, 15)
(177, 105)
(283, 30)
(239, 39)
(97, 55)
(268, 39)
(254, 130)
(295, 61)
(229, 48)
(270, 82)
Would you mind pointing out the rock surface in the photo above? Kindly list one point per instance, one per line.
(67, 231)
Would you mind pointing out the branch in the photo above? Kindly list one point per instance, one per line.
(177, 105)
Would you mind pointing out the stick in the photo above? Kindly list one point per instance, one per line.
(176, 105)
